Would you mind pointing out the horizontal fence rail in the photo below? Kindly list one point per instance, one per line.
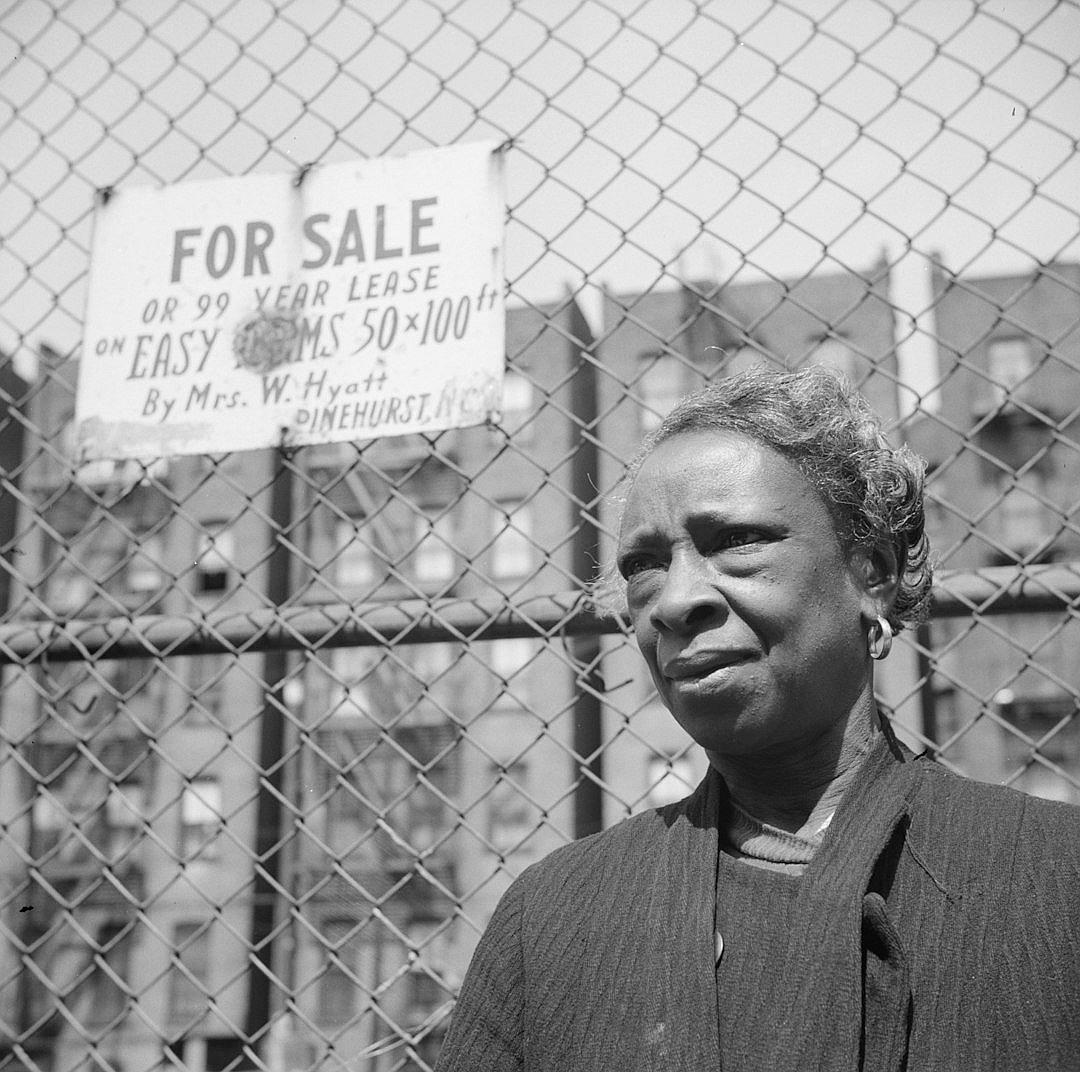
(994, 590)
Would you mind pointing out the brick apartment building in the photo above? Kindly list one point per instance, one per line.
(1005, 490)
(417, 779)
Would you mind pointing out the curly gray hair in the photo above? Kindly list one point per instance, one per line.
(819, 422)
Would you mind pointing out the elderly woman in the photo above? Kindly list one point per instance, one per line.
(825, 899)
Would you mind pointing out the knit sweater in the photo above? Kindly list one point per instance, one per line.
(937, 927)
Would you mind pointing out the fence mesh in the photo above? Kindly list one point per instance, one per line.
(279, 728)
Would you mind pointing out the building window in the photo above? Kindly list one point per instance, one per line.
(512, 547)
(189, 978)
(430, 663)
(217, 551)
(350, 813)
(356, 692)
(511, 815)
(426, 992)
(68, 589)
(338, 982)
(71, 795)
(134, 679)
(1024, 525)
(200, 819)
(945, 710)
(517, 405)
(405, 776)
(660, 384)
(426, 995)
(84, 571)
(509, 661)
(1009, 362)
(144, 573)
(668, 779)
(50, 821)
(209, 1053)
(105, 985)
(353, 562)
(125, 808)
(409, 774)
(510, 658)
(429, 777)
(433, 557)
(206, 684)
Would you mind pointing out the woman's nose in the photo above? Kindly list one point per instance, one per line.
(689, 597)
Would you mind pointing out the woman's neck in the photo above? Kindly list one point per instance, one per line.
(799, 791)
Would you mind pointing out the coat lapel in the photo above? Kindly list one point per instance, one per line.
(818, 1001)
(679, 924)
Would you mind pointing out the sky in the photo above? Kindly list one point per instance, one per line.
(652, 140)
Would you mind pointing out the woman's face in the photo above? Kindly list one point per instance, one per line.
(745, 607)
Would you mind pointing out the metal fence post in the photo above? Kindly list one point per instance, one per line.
(585, 552)
(268, 832)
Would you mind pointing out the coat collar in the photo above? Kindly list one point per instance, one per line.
(810, 1014)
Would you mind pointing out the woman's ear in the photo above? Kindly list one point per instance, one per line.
(880, 569)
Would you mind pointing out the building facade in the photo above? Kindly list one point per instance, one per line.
(1004, 492)
(413, 780)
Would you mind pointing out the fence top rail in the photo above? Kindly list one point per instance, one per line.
(301, 627)
(957, 593)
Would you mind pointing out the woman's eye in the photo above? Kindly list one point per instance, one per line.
(739, 538)
(635, 564)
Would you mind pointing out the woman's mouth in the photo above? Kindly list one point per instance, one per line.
(701, 663)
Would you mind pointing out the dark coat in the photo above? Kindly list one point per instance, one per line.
(938, 927)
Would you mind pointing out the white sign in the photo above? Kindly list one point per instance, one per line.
(349, 302)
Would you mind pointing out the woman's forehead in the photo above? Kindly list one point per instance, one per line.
(723, 459)
(719, 472)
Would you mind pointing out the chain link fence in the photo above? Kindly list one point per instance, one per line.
(278, 728)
